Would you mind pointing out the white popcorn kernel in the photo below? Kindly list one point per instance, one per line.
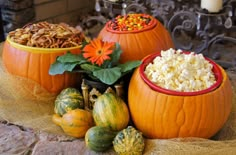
(182, 72)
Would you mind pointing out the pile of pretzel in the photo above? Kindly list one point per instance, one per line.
(47, 35)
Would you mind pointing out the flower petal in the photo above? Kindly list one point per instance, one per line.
(98, 51)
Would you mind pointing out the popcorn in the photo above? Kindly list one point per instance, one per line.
(181, 72)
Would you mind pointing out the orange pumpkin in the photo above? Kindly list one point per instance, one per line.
(34, 63)
(158, 115)
(74, 123)
(136, 44)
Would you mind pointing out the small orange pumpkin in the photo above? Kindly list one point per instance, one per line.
(34, 63)
(158, 115)
(74, 123)
(136, 44)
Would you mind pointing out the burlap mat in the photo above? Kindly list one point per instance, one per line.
(24, 102)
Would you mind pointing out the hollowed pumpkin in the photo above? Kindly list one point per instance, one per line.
(159, 115)
(136, 44)
(34, 63)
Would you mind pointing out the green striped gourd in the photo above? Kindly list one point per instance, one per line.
(129, 141)
(111, 111)
(99, 138)
(68, 99)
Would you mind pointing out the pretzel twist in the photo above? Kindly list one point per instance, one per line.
(47, 35)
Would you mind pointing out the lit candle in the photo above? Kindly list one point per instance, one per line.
(212, 5)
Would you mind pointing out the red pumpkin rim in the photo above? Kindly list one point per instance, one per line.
(216, 70)
(153, 23)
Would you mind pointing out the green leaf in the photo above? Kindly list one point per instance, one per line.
(115, 57)
(59, 68)
(108, 76)
(89, 67)
(128, 66)
(69, 58)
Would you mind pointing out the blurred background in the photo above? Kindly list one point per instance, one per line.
(191, 26)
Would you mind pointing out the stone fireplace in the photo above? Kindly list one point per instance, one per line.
(17, 13)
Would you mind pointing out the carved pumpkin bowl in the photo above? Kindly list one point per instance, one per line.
(163, 113)
(138, 34)
(34, 63)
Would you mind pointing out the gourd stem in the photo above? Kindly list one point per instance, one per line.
(85, 93)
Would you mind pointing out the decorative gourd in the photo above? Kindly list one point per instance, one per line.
(68, 99)
(136, 44)
(99, 138)
(35, 63)
(170, 116)
(111, 111)
(75, 123)
(129, 141)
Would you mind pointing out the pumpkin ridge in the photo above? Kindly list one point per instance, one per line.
(225, 93)
(161, 40)
(154, 121)
(137, 108)
(211, 116)
(198, 112)
(163, 106)
(41, 67)
(182, 113)
(50, 77)
(28, 61)
(165, 122)
(124, 39)
(146, 37)
(225, 96)
(226, 100)
(205, 116)
(138, 46)
(55, 76)
(40, 77)
(200, 107)
(222, 105)
(215, 119)
(151, 114)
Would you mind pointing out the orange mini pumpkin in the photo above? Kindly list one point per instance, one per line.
(34, 63)
(138, 43)
(75, 122)
(161, 115)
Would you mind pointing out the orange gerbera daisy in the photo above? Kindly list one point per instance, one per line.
(98, 51)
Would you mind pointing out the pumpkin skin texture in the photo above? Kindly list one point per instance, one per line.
(99, 138)
(34, 63)
(138, 44)
(158, 115)
(129, 141)
(75, 123)
(68, 99)
(111, 111)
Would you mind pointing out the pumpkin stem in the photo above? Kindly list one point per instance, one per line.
(57, 119)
